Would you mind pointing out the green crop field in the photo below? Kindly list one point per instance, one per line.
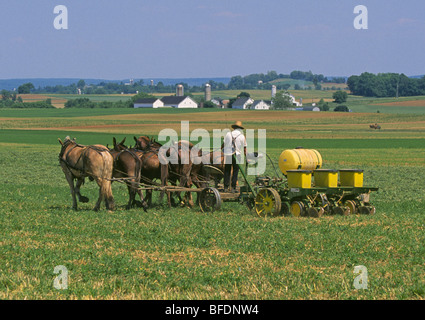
(182, 253)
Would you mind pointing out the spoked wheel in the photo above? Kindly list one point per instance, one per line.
(209, 200)
(267, 203)
(351, 205)
(298, 209)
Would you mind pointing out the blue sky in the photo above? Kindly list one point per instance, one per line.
(217, 38)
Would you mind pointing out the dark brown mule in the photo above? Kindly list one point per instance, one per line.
(188, 170)
(152, 167)
(175, 173)
(211, 159)
(95, 161)
(127, 164)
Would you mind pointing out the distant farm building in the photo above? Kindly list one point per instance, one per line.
(179, 102)
(294, 102)
(148, 103)
(242, 103)
(170, 102)
(260, 105)
(308, 109)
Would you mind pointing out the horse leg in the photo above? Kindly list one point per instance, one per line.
(81, 198)
(144, 204)
(131, 196)
(148, 198)
(107, 194)
(69, 177)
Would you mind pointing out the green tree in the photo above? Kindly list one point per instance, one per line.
(25, 88)
(5, 95)
(282, 100)
(324, 106)
(81, 84)
(244, 94)
(340, 96)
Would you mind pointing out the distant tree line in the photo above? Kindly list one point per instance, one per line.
(386, 85)
(87, 103)
(12, 100)
(263, 81)
(252, 81)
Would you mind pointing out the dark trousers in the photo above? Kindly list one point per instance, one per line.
(227, 173)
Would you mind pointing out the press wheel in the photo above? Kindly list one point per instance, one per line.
(315, 213)
(209, 200)
(267, 203)
(298, 209)
(286, 209)
(351, 205)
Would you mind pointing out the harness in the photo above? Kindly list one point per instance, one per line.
(64, 158)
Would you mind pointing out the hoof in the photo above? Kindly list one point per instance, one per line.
(84, 199)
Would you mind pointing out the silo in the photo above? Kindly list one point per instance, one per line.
(273, 91)
(207, 92)
(180, 90)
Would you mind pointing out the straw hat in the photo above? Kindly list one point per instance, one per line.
(237, 125)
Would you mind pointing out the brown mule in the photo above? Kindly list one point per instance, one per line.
(127, 164)
(96, 162)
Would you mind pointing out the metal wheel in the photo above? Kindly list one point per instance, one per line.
(351, 205)
(209, 200)
(340, 210)
(286, 209)
(315, 213)
(367, 210)
(325, 204)
(267, 203)
(298, 209)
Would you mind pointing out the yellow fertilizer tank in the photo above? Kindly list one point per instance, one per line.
(326, 178)
(299, 158)
(351, 178)
(299, 179)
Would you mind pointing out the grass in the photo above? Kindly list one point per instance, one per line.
(182, 253)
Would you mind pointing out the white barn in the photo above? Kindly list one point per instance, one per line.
(242, 103)
(260, 105)
(179, 102)
(148, 103)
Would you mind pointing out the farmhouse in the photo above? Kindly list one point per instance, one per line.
(294, 102)
(313, 108)
(260, 105)
(148, 103)
(179, 102)
(242, 103)
(171, 102)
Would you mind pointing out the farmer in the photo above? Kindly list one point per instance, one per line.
(234, 143)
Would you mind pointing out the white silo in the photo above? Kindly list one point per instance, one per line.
(273, 91)
(180, 90)
(207, 92)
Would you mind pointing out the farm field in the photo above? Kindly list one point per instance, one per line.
(182, 253)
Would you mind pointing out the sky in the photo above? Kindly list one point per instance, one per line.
(136, 39)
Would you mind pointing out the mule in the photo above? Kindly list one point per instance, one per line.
(127, 164)
(94, 161)
(175, 172)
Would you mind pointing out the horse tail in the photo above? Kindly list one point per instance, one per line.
(106, 187)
